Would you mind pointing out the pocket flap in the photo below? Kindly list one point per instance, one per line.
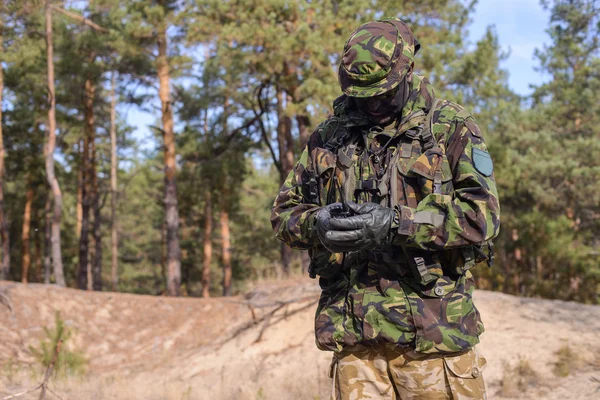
(467, 365)
(424, 166)
(323, 160)
(441, 287)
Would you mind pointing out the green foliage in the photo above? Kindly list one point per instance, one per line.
(547, 171)
(230, 61)
(68, 361)
(252, 226)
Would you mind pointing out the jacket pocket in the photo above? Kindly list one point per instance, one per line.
(386, 317)
(418, 175)
(444, 315)
(464, 373)
(334, 323)
(323, 163)
(468, 365)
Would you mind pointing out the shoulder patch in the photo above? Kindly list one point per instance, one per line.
(483, 162)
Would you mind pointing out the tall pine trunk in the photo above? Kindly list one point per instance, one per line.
(48, 239)
(49, 153)
(26, 257)
(5, 262)
(114, 244)
(171, 213)
(207, 255)
(96, 259)
(303, 122)
(86, 184)
(226, 251)
(37, 256)
(79, 192)
(286, 159)
(96, 231)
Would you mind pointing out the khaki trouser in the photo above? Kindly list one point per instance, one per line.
(388, 372)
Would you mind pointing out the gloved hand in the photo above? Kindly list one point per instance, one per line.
(330, 237)
(369, 228)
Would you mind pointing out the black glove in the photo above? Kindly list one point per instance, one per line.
(327, 234)
(368, 229)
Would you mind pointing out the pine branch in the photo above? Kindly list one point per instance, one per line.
(79, 18)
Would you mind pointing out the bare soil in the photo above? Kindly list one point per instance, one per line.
(261, 345)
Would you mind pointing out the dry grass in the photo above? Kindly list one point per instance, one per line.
(567, 361)
(518, 378)
(149, 387)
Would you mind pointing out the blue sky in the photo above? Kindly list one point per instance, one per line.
(520, 25)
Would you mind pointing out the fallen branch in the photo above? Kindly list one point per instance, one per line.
(281, 351)
(252, 312)
(295, 311)
(596, 380)
(13, 396)
(5, 300)
(275, 304)
(54, 394)
(278, 306)
(266, 324)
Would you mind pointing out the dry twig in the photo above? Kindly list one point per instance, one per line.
(54, 394)
(13, 396)
(5, 300)
(267, 316)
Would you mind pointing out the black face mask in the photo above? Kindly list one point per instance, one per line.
(384, 108)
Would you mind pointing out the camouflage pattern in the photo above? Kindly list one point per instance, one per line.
(388, 372)
(370, 301)
(376, 58)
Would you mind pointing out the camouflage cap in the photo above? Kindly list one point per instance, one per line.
(376, 58)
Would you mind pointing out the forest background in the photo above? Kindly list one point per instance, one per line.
(241, 84)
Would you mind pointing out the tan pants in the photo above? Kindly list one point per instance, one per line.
(388, 372)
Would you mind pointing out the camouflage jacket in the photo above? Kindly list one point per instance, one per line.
(444, 193)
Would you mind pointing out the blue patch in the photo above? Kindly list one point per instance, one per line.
(483, 162)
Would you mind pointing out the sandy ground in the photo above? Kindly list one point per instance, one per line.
(261, 345)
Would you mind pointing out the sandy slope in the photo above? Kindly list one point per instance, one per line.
(142, 347)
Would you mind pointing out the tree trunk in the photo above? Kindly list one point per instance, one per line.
(207, 258)
(163, 251)
(96, 261)
(48, 240)
(4, 237)
(114, 244)
(96, 232)
(79, 192)
(49, 153)
(303, 122)
(172, 215)
(26, 259)
(286, 159)
(226, 252)
(81, 146)
(37, 257)
(86, 184)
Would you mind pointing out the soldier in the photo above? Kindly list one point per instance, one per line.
(395, 200)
